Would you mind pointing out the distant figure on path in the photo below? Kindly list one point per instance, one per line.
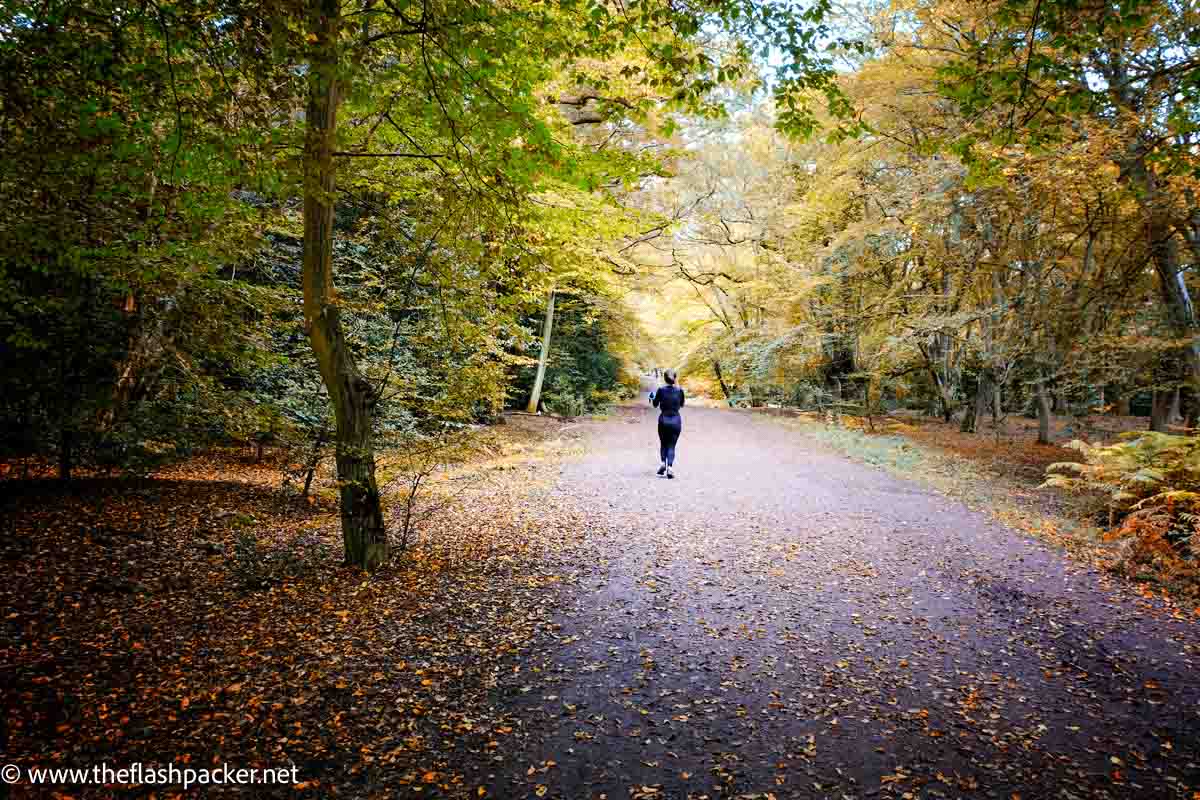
(668, 399)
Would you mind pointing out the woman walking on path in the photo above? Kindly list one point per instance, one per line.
(668, 399)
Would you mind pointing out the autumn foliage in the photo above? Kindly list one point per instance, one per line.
(1151, 484)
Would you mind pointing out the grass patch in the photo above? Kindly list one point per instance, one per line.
(892, 452)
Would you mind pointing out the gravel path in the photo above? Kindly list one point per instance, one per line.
(782, 622)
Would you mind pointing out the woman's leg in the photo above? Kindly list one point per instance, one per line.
(669, 438)
(662, 447)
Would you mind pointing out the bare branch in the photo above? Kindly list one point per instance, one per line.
(429, 156)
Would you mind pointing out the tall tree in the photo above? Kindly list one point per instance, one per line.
(535, 396)
(488, 96)
(1040, 72)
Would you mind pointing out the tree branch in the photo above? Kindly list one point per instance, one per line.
(428, 156)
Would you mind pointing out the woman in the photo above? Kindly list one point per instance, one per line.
(668, 399)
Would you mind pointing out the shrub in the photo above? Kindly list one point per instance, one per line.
(563, 397)
(1152, 484)
(565, 404)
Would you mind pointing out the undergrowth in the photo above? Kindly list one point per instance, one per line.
(879, 450)
(1150, 486)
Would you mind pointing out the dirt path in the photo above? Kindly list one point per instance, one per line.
(779, 621)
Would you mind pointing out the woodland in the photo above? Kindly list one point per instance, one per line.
(339, 243)
(337, 229)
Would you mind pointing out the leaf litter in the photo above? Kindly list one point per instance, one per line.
(778, 622)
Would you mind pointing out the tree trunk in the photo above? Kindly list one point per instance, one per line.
(1156, 204)
(984, 395)
(943, 391)
(140, 368)
(314, 461)
(1164, 252)
(144, 360)
(543, 357)
(947, 407)
(363, 531)
(1160, 410)
(1042, 398)
(721, 381)
(1175, 414)
(968, 423)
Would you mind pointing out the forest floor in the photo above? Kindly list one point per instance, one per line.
(779, 621)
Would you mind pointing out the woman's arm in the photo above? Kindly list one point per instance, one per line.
(681, 397)
(654, 399)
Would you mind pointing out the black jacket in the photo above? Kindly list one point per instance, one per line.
(669, 399)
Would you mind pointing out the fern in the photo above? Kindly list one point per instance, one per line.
(1152, 481)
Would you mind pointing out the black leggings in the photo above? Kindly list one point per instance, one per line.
(669, 429)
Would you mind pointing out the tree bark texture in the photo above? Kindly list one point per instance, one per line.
(543, 356)
(363, 531)
(721, 382)
(1160, 411)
